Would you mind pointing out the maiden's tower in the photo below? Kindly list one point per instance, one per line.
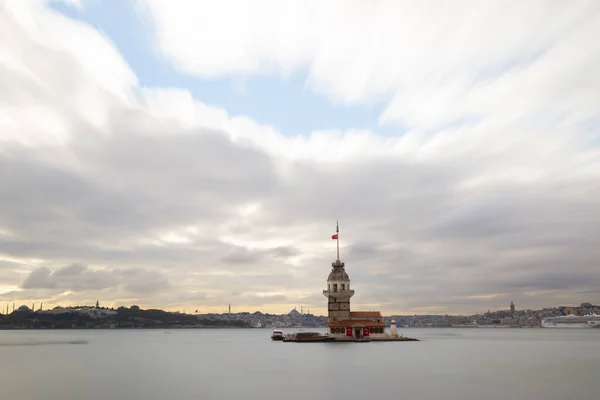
(342, 322)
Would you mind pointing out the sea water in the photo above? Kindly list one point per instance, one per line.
(549, 364)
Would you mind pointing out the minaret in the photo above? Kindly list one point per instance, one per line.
(338, 290)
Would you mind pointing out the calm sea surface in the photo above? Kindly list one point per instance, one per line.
(244, 364)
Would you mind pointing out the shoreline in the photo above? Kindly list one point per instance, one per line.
(141, 327)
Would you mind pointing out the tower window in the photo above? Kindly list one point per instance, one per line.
(334, 287)
(343, 287)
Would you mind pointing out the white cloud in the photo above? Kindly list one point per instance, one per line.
(437, 64)
(86, 68)
(163, 200)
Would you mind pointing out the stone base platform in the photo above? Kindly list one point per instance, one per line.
(346, 339)
(394, 339)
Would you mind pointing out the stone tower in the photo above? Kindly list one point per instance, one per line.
(338, 293)
(512, 308)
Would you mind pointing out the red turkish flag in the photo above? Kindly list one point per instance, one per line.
(365, 331)
(348, 331)
(334, 236)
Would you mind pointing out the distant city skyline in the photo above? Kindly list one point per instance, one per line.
(300, 309)
(192, 155)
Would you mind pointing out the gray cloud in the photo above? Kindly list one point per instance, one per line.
(237, 255)
(39, 279)
(74, 277)
(78, 278)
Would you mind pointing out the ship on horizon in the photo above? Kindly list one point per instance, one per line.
(572, 321)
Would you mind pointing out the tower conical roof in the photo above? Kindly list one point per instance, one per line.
(338, 273)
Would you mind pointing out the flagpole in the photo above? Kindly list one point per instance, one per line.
(337, 231)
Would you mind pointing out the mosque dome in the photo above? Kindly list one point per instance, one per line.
(23, 308)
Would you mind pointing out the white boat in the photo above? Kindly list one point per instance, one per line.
(572, 321)
(277, 334)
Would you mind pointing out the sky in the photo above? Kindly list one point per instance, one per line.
(190, 155)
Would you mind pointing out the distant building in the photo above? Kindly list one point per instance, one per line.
(294, 313)
(95, 312)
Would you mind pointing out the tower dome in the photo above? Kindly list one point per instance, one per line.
(338, 273)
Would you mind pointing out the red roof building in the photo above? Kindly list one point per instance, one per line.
(341, 321)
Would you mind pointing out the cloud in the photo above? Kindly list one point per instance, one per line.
(147, 195)
(38, 279)
(74, 277)
(429, 65)
(82, 280)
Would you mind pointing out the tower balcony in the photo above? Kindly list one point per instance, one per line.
(339, 293)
